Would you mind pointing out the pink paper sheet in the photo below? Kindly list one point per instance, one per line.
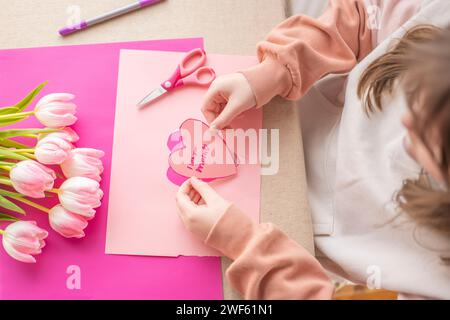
(90, 72)
(142, 217)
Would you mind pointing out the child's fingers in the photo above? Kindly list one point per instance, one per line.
(191, 194)
(210, 114)
(196, 198)
(185, 187)
(212, 104)
(204, 189)
(227, 115)
(184, 204)
(208, 99)
(183, 200)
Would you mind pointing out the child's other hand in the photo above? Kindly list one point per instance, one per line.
(228, 97)
(200, 206)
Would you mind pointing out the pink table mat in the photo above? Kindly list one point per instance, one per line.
(90, 72)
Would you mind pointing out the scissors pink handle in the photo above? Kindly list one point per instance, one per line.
(192, 61)
(191, 72)
(203, 77)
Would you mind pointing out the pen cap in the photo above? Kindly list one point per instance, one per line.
(144, 3)
(71, 29)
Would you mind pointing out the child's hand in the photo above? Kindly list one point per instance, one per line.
(200, 206)
(228, 97)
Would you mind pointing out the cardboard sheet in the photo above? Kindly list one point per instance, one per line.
(142, 217)
(90, 72)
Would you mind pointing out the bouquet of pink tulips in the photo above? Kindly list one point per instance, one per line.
(25, 173)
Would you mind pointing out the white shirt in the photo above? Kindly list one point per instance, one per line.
(355, 164)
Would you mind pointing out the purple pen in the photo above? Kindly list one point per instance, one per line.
(107, 16)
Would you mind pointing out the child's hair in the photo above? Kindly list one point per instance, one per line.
(423, 55)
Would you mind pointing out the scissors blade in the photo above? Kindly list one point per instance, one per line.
(155, 94)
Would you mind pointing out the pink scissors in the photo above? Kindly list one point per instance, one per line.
(190, 71)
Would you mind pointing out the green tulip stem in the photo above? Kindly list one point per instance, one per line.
(54, 190)
(32, 204)
(16, 115)
(5, 181)
(22, 150)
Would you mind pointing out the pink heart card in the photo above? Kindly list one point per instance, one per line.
(195, 152)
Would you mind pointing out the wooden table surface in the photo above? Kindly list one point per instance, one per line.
(229, 27)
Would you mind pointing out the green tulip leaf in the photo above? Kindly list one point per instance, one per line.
(5, 203)
(7, 154)
(6, 163)
(8, 110)
(25, 102)
(7, 217)
(10, 194)
(8, 143)
(29, 98)
(23, 132)
(11, 120)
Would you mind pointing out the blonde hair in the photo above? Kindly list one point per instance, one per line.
(424, 53)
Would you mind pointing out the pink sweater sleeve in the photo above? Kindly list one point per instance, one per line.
(302, 50)
(267, 263)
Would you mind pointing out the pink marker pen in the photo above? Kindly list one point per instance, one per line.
(107, 16)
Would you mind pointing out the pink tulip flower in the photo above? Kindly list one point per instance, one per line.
(23, 239)
(66, 133)
(56, 110)
(66, 223)
(32, 178)
(80, 195)
(52, 150)
(84, 162)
